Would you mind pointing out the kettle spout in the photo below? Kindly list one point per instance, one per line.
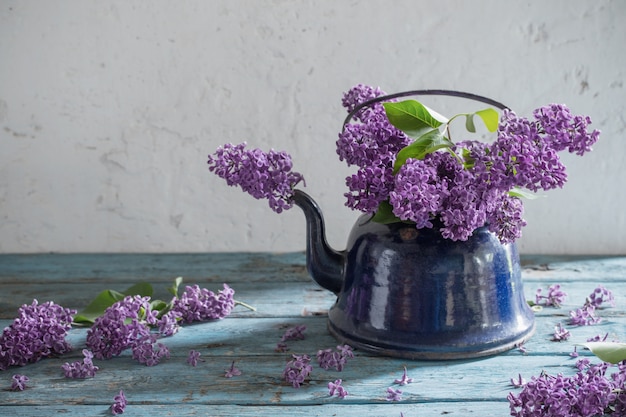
(325, 265)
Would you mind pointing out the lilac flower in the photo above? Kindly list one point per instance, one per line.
(281, 347)
(294, 333)
(232, 371)
(560, 333)
(404, 380)
(193, 357)
(297, 370)
(598, 338)
(600, 296)
(260, 174)
(147, 351)
(200, 304)
(555, 296)
(336, 388)
(519, 382)
(119, 328)
(38, 331)
(394, 394)
(574, 354)
(584, 316)
(119, 404)
(522, 348)
(168, 324)
(565, 131)
(81, 369)
(586, 394)
(327, 358)
(18, 382)
(359, 94)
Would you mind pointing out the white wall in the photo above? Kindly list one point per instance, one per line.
(108, 111)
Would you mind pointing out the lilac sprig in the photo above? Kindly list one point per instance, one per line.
(590, 392)
(200, 304)
(18, 382)
(560, 333)
(81, 369)
(337, 359)
(261, 174)
(39, 331)
(555, 296)
(584, 316)
(600, 296)
(337, 388)
(119, 404)
(297, 370)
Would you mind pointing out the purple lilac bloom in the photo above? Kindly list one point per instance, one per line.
(359, 94)
(327, 358)
(394, 394)
(294, 333)
(404, 380)
(193, 357)
(560, 333)
(168, 324)
(555, 296)
(200, 304)
(598, 338)
(18, 382)
(232, 371)
(584, 316)
(336, 388)
(601, 296)
(38, 331)
(519, 382)
(297, 370)
(119, 328)
(147, 351)
(586, 394)
(81, 369)
(564, 130)
(260, 174)
(119, 404)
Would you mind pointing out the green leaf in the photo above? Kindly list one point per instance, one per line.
(523, 193)
(96, 308)
(106, 299)
(174, 288)
(384, 214)
(490, 118)
(611, 352)
(425, 144)
(411, 117)
(469, 123)
(143, 289)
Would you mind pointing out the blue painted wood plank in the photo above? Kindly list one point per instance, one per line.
(285, 296)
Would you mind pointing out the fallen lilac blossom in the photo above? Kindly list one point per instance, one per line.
(18, 382)
(232, 371)
(297, 370)
(404, 380)
(119, 404)
(336, 388)
(81, 369)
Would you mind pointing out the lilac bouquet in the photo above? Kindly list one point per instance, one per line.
(410, 170)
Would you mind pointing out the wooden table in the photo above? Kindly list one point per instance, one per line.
(284, 296)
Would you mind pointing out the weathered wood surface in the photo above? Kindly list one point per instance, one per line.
(277, 284)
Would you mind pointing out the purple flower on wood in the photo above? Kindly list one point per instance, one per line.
(39, 331)
(394, 394)
(193, 357)
(327, 358)
(148, 351)
(201, 304)
(519, 382)
(555, 297)
(404, 380)
(119, 404)
(297, 370)
(232, 371)
(600, 296)
(81, 369)
(560, 333)
(336, 388)
(18, 382)
(584, 316)
(260, 174)
(294, 333)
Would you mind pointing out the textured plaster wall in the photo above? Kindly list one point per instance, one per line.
(109, 109)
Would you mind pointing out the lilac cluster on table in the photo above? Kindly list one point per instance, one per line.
(38, 331)
(119, 404)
